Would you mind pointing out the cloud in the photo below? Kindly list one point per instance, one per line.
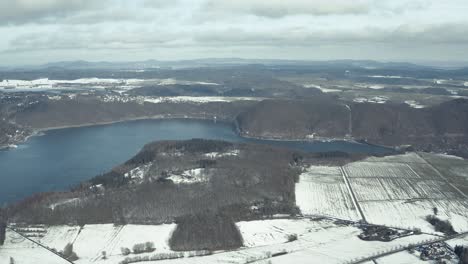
(221, 26)
(22, 11)
(143, 37)
(281, 8)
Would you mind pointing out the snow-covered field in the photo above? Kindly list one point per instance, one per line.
(91, 240)
(321, 190)
(270, 232)
(89, 83)
(46, 84)
(379, 169)
(410, 157)
(410, 214)
(317, 242)
(375, 189)
(398, 191)
(25, 251)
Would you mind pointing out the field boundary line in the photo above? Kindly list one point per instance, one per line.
(351, 192)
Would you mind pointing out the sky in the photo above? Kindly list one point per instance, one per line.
(41, 31)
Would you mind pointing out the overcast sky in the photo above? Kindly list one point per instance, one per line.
(39, 31)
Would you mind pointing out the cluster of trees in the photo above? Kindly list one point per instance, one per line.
(443, 226)
(462, 253)
(207, 231)
(143, 247)
(68, 253)
(2, 233)
(160, 256)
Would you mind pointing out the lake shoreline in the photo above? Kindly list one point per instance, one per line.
(233, 123)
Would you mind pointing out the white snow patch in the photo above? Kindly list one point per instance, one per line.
(386, 76)
(190, 176)
(325, 90)
(376, 86)
(414, 104)
(171, 81)
(67, 201)
(214, 155)
(138, 172)
(197, 99)
(374, 100)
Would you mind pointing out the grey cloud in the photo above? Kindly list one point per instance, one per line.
(143, 37)
(281, 8)
(22, 11)
(415, 35)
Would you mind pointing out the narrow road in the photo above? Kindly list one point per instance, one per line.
(350, 124)
(351, 192)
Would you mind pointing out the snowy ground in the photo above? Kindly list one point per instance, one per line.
(25, 251)
(397, 191)
(318, 241)
(88, 242)
(321, 190)
(88, 83)
(191, 176)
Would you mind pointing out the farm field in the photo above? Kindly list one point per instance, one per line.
(453, 168)
(25, 251)
(398, 191)
(322, 191)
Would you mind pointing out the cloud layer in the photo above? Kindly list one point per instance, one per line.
(38, 31)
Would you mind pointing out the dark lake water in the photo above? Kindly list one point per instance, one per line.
(64, 157)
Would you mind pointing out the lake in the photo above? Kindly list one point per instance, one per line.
(64, 157)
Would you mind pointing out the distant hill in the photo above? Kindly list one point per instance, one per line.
(434, 128)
